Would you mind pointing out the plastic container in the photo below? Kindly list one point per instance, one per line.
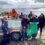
(34, 28)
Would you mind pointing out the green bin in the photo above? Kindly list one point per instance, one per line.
(34, 28)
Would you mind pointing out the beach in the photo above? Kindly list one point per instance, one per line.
(38, 41)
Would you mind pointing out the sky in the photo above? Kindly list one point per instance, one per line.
(32, 4)
(21, 3)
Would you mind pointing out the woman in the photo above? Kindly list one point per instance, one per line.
(24, 23)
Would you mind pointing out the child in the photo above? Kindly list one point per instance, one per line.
(4, 29)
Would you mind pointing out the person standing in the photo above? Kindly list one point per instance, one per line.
(41, 23)
(30, 15)
(24, 24)
(34, 26)
(13, 13)
(21, 16)
(4, 30)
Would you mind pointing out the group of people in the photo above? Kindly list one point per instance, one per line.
(33, 18)
(25, 20)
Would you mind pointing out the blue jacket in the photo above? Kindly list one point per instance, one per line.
(41, 22)
(4, 26)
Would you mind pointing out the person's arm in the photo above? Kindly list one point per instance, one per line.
(21, 22)
(37, 21)
(30, 21)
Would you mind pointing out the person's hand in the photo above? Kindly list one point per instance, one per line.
(24, 27)
(30, 22)
(7, 32)
(37, 22)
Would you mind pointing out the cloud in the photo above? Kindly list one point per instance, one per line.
(30, 4)
(4, 3)
(42, 1)
(21, 4)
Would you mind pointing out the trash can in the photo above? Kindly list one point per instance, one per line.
(34, 28)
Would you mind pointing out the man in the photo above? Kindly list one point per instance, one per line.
(30, 15)
(41, 23)
(21, 16)
(13, 13)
